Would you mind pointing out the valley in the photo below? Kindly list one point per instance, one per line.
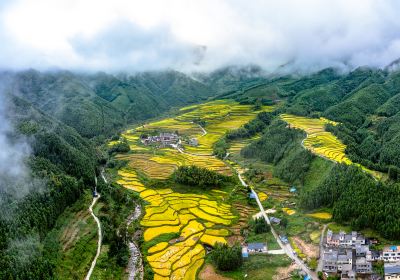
(181, 223)
(171, 199)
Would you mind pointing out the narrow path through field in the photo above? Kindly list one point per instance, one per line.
(103, 176)
(286, 247)
(202, 128)
(100, 237)
(321, 248)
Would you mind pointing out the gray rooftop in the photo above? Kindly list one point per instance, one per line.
(256, 246)
(392, 268)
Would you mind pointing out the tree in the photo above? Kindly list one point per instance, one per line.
(197, 176)
(284, 222)
(227, 258)
(259, 225)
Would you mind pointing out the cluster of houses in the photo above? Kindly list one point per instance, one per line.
(350, 256)
(167, 139)
(164, 139)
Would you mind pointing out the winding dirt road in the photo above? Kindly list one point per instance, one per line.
(99, 240)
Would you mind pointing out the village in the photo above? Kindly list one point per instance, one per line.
(167, 139)
(350, 256)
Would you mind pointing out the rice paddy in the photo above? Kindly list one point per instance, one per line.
(321, 215)
(197, 219)
(318, 140)
(321, 142)
(194, 219)
(289, 211)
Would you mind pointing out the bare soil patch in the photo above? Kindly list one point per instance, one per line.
(285, 272)
(310, 250)
(208, 273)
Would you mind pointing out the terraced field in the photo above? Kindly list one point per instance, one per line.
(196, 219)
(318, 140)
(321, 142)
(193, 220)
(220, 116)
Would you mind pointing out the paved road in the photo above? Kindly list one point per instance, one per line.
(286, 247)
(99, 240)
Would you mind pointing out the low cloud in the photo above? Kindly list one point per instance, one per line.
(15, 175)
(124, 45)
(198, 35)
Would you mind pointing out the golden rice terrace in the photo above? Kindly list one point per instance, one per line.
(193, 220)
(321, 142)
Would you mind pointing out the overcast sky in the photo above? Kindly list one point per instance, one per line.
(190, 35)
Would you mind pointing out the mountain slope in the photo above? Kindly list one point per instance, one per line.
(100, 104)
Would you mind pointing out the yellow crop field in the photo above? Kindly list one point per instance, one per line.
(212, 240)
(315, 236)
(321, 142)
(192, 216)
(321, 215)
(158, 247)
(289, 211)
(196, 218)
(262, 196)
(318, 140)
(218, 232)
(151, 233)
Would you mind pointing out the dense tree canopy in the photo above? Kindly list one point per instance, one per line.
(227, 258)
(199, 177)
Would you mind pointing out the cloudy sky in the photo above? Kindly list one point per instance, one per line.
(196, 35)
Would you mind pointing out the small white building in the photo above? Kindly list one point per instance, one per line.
(257, 248)
(193, 142)
(391, 253)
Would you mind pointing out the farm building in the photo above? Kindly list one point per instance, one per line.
(245, 252)
(344, 239)
(275, 220)
(163, 139)
(257, 248)
(252, 195)
(193, 142)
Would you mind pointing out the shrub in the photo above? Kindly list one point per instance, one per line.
(259, 225)
(197, 176)
(227, 258)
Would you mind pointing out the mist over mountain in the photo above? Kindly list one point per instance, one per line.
(198, 35)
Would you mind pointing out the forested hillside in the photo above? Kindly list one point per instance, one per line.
(60, 166)
(364, 102)
(100, 104)
(59, 118)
